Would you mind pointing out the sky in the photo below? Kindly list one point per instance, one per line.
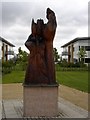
(15, 25)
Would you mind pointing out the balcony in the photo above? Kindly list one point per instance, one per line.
(9, 53)
(64, 53)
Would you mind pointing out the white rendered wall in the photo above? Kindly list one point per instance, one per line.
(0, 49)
(76, 48)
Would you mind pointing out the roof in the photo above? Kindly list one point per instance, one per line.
(75, 40)
(5, 41)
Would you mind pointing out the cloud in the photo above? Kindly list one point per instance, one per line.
(65, 32)
(20, 13)
(72, 19)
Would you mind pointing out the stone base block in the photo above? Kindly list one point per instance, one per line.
(40, 100)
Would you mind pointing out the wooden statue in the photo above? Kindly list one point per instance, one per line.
(41, 69)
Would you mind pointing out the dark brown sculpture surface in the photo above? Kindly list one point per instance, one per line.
(41, 69)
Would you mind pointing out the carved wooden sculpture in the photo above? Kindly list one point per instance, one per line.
(41, 69)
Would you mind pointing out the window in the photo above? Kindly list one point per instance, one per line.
(87, 60)
(87, 48)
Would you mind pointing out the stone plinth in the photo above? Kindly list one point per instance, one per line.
(40, 100)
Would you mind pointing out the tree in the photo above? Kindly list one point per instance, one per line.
(56, 56)
(22, 55)
(82, 54)
(22, 58)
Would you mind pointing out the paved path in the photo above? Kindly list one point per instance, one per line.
(71, 103)
(14, 109)
(15, 91)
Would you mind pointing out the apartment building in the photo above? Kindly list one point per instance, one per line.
(6, 49)
(71, 49)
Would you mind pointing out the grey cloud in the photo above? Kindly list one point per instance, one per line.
(20, 13)
(16, 18)
(65, 32)
(17, 34)
(73, 18)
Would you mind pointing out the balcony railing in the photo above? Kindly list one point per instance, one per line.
(9, 53)
(64, 53)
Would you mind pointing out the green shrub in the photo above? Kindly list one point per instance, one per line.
(64, 63)
(70, 67)
(7, 66)
(21, 66)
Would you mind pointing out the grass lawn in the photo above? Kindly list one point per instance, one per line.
(13, 77)
(74, 79)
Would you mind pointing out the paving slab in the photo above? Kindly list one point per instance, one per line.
(71, 103)
(14, 109)
(70, 110)
(79, 98)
